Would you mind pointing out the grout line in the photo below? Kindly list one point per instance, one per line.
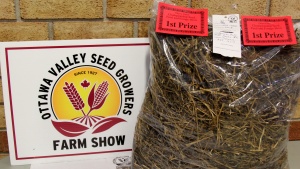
(62, 19)
(135, 29)
(190, 3)
(18, 11)
(104, 6)
(77, 20)
(268, 7)
(50, 31)
(8, 20)
(129, 19)
(81, 20)
(2, 155)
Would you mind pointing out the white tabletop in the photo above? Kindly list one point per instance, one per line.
(293, 151)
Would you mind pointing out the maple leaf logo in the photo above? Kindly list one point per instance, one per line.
(85, 84)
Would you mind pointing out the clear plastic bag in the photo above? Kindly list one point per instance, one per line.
(204, 110)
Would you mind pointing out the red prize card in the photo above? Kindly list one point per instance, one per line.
(181, 21)
(268, 31)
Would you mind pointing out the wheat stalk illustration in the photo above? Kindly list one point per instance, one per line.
(97, 99)
(100, 92)
(74, 97)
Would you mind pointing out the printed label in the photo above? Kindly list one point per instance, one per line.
(181, 21)
(268, 31)
(227, 35)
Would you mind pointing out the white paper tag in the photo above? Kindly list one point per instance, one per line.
(227, 35)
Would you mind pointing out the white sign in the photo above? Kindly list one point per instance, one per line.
(227, 35)
(73, 100)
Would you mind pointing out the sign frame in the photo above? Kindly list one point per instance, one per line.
(131, 58)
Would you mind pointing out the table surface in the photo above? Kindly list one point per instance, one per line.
(293, 155)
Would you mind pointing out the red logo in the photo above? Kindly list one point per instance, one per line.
(79, 107)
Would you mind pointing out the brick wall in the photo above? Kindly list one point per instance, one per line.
(23, 20)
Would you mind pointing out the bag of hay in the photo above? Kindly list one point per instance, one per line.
(204, 110)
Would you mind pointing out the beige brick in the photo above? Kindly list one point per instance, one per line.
(128, 9)
(285, 7)
(23, 31)
(2, 117)
(243, 7)
(143, 29)
(181, 2)
(93, 30)
(133, 8)
(7, 9)
(41, 9)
